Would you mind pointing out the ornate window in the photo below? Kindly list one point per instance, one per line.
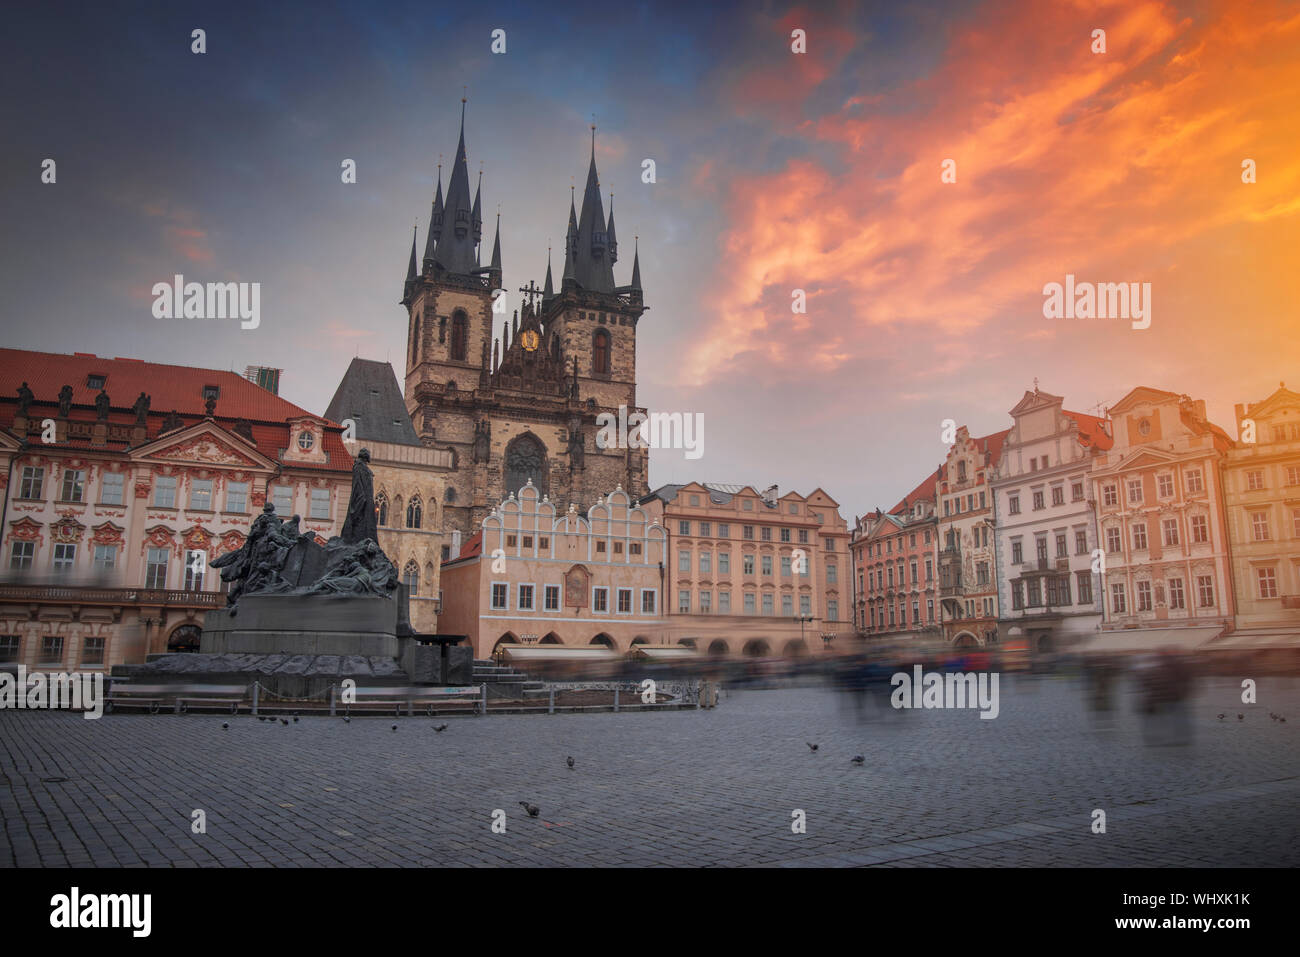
(459, 335)
(414, 512)
(381, 509)
(600, 352)
(411, 577)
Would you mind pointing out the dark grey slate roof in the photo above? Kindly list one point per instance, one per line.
(456, 244)
(370, 396)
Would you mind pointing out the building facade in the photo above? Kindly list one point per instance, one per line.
(968, 589)
(1261, 481)
(522, 406)
(1160, 515)
(753, 573)
(895, 560)
(1045, 525)
(539, 574)
(114, 508)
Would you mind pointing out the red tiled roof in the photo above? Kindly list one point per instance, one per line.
(169, 387)
(923, 491)
(1091, 433)
(992, 444)
(471, 548)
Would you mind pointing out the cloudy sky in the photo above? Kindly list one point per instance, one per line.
(776, 171)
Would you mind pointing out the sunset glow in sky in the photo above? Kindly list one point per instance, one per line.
(776, 172)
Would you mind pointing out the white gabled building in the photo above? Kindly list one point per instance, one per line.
(1046, 525)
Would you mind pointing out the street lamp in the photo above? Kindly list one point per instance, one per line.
(803, 620)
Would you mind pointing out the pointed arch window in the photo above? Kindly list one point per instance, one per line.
(600, 352)
(411, 577)
(414, 512)
(459, 336)
(381, 509)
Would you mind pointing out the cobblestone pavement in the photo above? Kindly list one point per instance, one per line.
(938, 788)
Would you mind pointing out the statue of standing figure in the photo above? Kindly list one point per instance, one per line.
(361, 522)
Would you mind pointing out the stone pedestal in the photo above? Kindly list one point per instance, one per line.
(305, 625)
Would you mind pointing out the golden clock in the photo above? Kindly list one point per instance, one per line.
(529, 339)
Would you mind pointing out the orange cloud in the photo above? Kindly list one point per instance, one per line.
(1120, 166)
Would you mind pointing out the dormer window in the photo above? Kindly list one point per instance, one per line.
(306, 440)
(95, 380)
(212, 392)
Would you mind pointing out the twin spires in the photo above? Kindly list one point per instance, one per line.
(455, 233)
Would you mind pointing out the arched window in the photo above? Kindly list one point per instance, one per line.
(526, 459)
(449, 496)
(411, 577)
(459, 335)
(413, 513)
(600, 352)
(381, 509)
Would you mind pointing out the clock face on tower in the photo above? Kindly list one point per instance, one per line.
(529, 339)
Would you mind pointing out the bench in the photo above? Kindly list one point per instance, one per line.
(411, 696)
(130, 693)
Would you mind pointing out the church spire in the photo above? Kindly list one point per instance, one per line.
(409, 285)
(612, 239)
(455, 246)
(435, 225)
(636, 263)
(570, 243)
(496, 251)
(477, 214)
(593, 267)
(548, 290)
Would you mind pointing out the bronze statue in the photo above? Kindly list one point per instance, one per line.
(101, 406)
(360, 522)
(141, 408)
(65, 401)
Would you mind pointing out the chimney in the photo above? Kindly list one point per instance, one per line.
(769, 495)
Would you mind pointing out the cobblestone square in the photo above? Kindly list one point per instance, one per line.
(691, 788)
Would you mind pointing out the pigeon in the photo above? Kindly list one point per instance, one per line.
(285, 722)
(858, 759)
(261, 717)
(225, 726)
(346, 719)
(295, 719)
(1220, 717)
(440, 728)
(1241, 717)
(532, 809)
(394, 727)
(1283, 720)
(811, 745)
(570, 762)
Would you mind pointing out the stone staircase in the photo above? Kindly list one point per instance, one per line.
(503, 681)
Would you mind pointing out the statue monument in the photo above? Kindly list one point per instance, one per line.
(301, 616)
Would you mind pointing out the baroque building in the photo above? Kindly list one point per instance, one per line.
(1160, 517)
(521, 407)
(968, 589)
(895, 557)
(1046, 528)
(1261, 482)
(122, 481)
(752, 572)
